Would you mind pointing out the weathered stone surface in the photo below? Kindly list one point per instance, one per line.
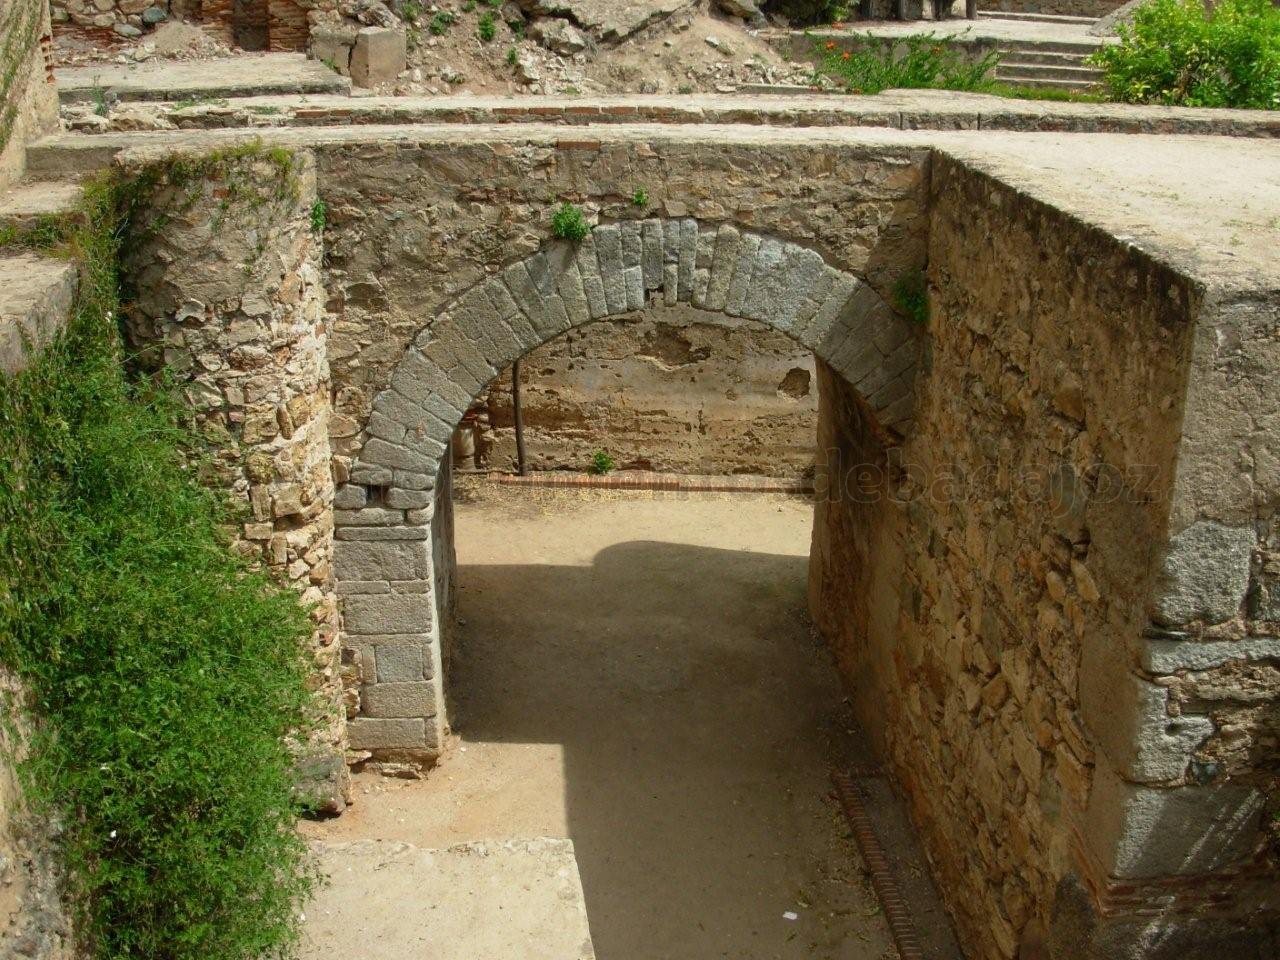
(370, 733)
(380, 54)
(398, 700)
(386, 614)
(1205, 574)
(1138, 831)
(559, 36)
(394, 560)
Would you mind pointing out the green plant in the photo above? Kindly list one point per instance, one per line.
(513, 56)
(319, 215)
(469, 6)
(440, 23)
(570, 223)
(640, 198)
(920, 61)
(487, 29)
(412, 38)
(162, 672)
(98, 97)
(411, 10)
(1183, 52)
(911, 296)
(601, 463)
(685, 88)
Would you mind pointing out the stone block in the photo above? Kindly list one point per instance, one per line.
(400, 663)
(332, 45)
(368, 733)
(368, 517)
(389, 613)
(380, 55)
(380, 533)
(398, 700)
(408, 499)
(1137, 831)
(350, 496)
(1204, 574)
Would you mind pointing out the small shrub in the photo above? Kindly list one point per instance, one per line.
(410, 11)
(601, 463)
(570, 223)
(911, 296)
(163, 672)
(922, 61)
(469, 6)
(487, 28)
(1176, 52)
(513, 56)
(640, 198)
(440, 23)
(319, 215)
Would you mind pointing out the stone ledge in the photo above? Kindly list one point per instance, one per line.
(896, 110)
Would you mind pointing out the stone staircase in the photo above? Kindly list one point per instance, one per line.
(37, 290)
(1048, 64)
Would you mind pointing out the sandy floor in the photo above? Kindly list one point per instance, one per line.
(637, 674)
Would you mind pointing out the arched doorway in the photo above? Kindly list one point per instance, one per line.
(395, 524)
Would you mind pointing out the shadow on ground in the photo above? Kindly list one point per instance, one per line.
(698, 721)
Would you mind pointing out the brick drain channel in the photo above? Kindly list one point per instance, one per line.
(883, 880)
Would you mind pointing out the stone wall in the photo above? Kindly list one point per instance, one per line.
(28, 100)
(226, 269)
(278, 25)
(987, 588)
(1070, 8)
(676, 390)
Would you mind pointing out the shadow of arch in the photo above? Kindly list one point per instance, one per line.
(619, 269)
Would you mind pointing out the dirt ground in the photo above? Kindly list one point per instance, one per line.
(636, 672)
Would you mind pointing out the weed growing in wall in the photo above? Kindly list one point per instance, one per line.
(640, 198)
(570, 223)
(911, 296)
(163, 674)
(601, 463)
(319, 215)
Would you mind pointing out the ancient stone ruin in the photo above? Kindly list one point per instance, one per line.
(1045, 544)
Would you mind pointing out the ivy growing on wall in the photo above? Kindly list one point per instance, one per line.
(19, 34)
(163, 673)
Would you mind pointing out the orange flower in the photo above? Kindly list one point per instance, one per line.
(846, 55)
(831, 44)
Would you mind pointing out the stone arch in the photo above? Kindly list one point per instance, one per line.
(391, 541)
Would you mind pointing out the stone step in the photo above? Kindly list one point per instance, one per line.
(198, 80)
(1034, 17)
(475, 901)
(30, 206)
(1082, 47)
(36, 296)
(1071, 86)
(1038, 71)
(1047, 57)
